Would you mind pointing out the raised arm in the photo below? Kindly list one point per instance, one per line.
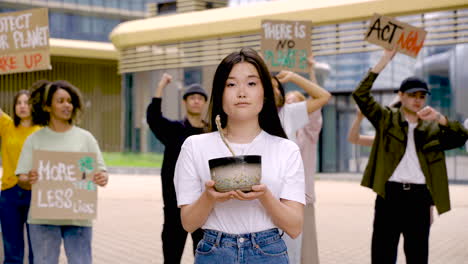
(164, 129)
(369, 107)
(311, 64)
(319, 96)
(165, 80)
(354, 135)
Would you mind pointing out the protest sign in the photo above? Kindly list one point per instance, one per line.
(286, 45)
(24, 41)
(388, 32)
(64, 189)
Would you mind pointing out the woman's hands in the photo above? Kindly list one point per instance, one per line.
(257, 192)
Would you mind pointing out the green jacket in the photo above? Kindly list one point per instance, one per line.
(431, 139)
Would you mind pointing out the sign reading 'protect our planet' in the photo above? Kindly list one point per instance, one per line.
(24, 41)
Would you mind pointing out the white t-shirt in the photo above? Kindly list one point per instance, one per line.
(409, 170)
(293, 117)
(282, 173)
(466, 126)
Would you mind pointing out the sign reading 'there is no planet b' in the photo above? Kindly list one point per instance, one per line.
(286, 45)
(64, 189)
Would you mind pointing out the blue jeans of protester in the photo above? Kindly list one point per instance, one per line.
(257, 248)
(46, 240)
(14, 207)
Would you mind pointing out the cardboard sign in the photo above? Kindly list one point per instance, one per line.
(388, 32)
(64, 189)
(24, 41)
(286, 44)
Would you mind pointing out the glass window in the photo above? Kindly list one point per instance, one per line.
(167, 8)
(98, 2)
(138, 5)
(125, 5)
(84, 2)
(112, 3)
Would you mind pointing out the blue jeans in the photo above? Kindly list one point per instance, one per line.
(14, 207)
(46, 240)
(261, 247)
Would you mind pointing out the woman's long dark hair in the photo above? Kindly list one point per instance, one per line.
(281, 89)
(268, 116)
(16, 118)
(41, 96)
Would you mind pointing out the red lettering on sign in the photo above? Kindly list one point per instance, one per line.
(32, 60)
(8, 63)
(410, 43)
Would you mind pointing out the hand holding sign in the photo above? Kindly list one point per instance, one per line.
(101, 178)
(387, 56)
(59, 190)
(390, 33)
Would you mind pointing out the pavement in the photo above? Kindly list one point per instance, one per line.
(130, 218)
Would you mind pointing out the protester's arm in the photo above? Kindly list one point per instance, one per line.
(24, 167)
(319, 96)
(311, 64)
(165, 80)
(163, 128)
(369, 107)
(354, 135)
(452, 133)
(101, 177)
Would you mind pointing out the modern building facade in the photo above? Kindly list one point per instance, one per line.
(190, 45)
(82, 54)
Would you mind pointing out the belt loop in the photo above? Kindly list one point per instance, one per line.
(218, 238)
(254, 243)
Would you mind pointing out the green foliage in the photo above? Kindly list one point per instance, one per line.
(130, 159)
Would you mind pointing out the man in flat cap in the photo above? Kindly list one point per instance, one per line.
(406, 166)
(172, 133)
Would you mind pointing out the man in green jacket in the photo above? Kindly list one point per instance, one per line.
(406, 167)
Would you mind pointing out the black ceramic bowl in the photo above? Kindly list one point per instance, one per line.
(236, 173)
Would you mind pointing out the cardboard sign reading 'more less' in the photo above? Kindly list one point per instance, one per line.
(24, 41)
(388, 32)
(64, 189)
(286, 44)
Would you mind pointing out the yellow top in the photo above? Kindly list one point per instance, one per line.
(12, 143)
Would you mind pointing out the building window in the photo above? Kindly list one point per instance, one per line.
(167, 8)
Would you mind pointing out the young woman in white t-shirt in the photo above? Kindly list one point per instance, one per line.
(56, 106)
(242, 227)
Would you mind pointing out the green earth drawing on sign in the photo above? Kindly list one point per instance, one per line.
(86, 165)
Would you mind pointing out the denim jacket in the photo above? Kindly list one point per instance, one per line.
(431, 139)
